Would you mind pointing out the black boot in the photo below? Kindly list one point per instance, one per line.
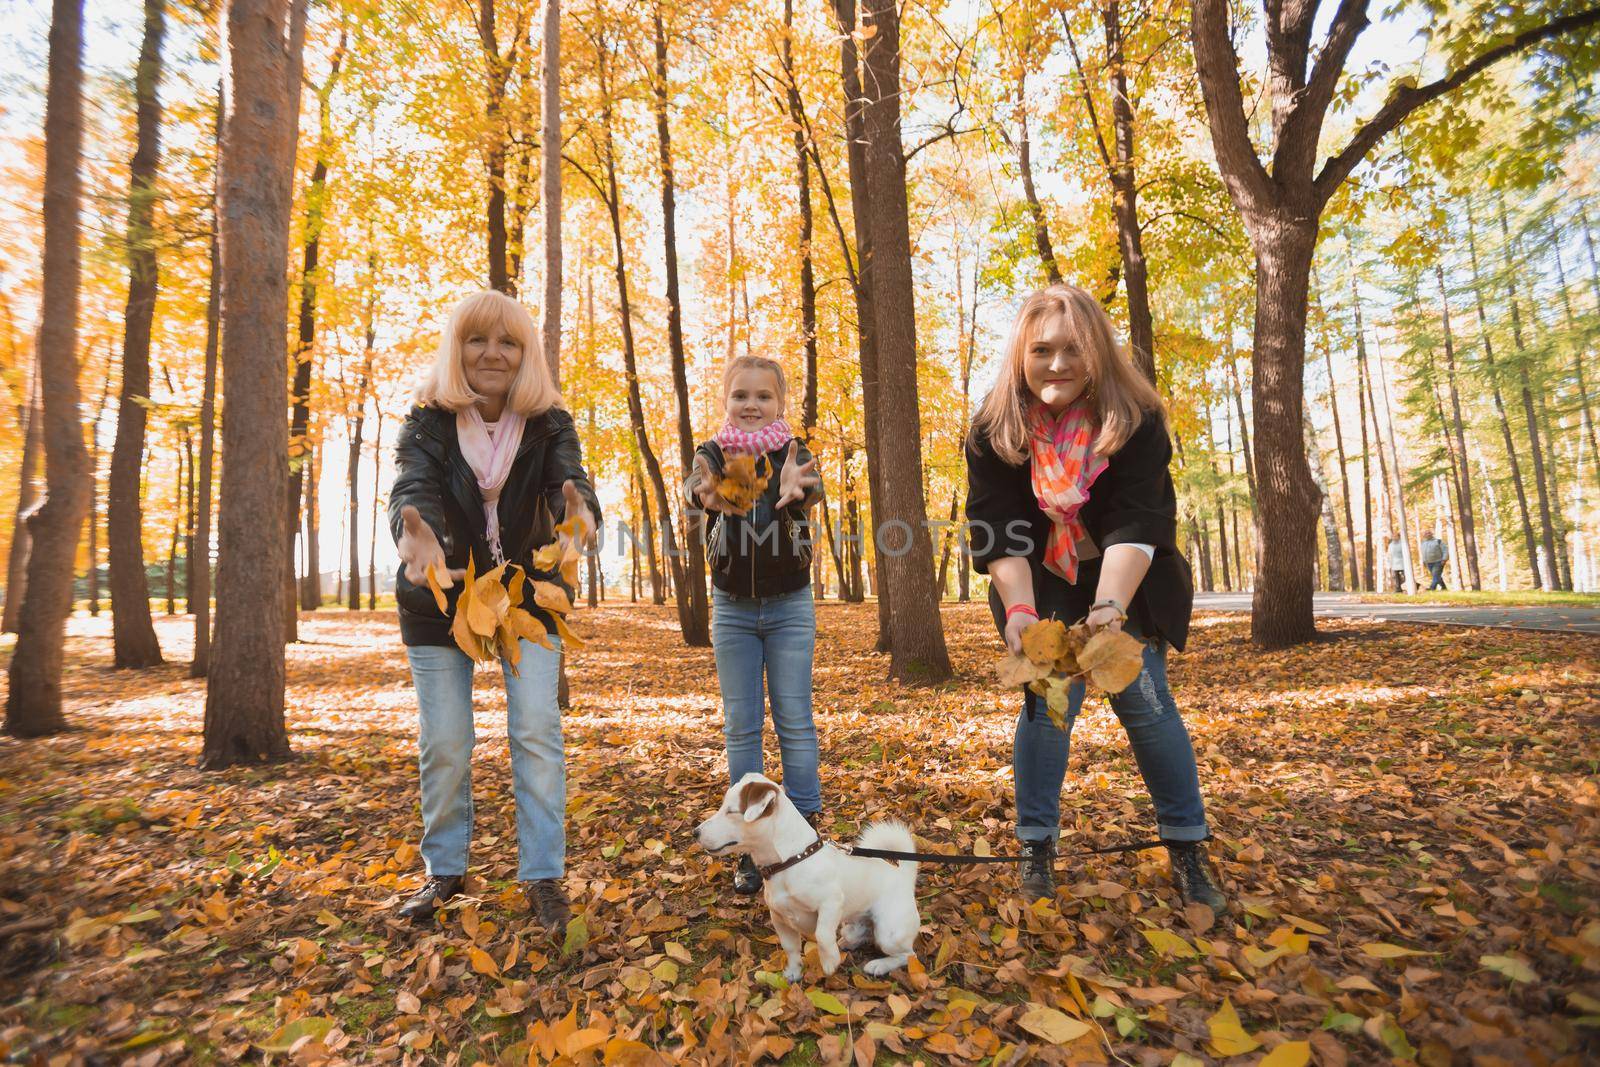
(435, 891)
(1038, 870)
(1192, 875)
(747, 879)
(548, 902)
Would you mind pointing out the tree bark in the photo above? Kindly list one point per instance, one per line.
(1464, 510)
(1363, 392)
(244, 695)
(357, 426)
(1586, 418)
(33, 700)
(695, 614)
(1125, 201)
(550, 178)
(1344, 471)
(862, 210)
(311, 581)
(1403, 526)
(496, 73)
(133, 635)
(808, 283)
(32, 418)
(94, 500)
(917, 647)
(1041, 224)
(201, 661)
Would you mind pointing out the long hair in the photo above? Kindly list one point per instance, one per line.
(1122, 396)
(445, 383)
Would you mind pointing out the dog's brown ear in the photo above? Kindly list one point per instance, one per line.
(756, 800)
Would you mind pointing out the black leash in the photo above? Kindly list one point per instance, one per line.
(947, 857)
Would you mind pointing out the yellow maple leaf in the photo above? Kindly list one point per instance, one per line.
(742, 482)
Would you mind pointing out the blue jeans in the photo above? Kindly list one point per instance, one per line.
(776, 635)
(1161, 747)
(443, 679)
(1437, 570)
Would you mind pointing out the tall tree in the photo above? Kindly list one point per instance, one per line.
(300, 458)
(808, 281)
(550, 176)
(696, 619)
(244, 693)
(1338, 441)
(1463, 479)
(133, 635)
(31, 417)
(200, 664)
(498, 66)
(33, 701)
(917, 649)
(1280, 195)
(94, 498)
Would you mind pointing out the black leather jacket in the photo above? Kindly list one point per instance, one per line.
(763, 552)
(433, 476)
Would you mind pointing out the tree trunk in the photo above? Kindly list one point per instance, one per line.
(1403, 528)
(1125, 202)
(1344, 471)
(133, 635)
(1464, 509)
(550, 177)
(244, 695)
(497, 70)
(917, 646)
(358, 425)
(372, 535)
(695, 614)
(1281, 612)
(1041, 225)
(32, 417)
(94, 501)
(862, 210)
(1586, 419)
(200, 663)
(1541, 479)
(1363, 392)
(1492, 372)
(311, 581)
(1333, 578)
(172, 552)
(808, 283)
(33, 700)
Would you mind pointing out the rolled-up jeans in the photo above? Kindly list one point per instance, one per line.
(443, 679)
(774, 637)
(1161, 747)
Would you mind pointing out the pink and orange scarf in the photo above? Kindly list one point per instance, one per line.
(1065, 465)
(732, 439)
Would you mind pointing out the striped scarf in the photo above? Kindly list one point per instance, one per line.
(1064, 467)
(774, 434)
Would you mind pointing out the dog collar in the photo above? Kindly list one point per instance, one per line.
(783, 865)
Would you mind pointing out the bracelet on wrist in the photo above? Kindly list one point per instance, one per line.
(1027, 609)
(1109, 602)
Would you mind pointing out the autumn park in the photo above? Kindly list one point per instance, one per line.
(773, 531)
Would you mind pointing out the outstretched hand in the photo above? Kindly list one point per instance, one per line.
(578, 508)
(419, 549)
(797, 479)
(705, 489)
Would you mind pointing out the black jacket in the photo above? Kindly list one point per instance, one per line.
(1131, 502)
(762, 552)
(433, 476)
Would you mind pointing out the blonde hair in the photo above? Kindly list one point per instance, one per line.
(445, 384)
(739, 363)
(1121, 395)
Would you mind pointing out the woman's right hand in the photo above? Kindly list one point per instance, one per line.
(1018, 622)
(419, 550)
(706, 486)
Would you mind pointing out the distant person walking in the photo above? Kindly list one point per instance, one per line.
(1397, 564)
(1435, 553)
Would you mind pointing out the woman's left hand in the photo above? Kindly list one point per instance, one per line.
(797, 479)
(579, 508)
(1104, 617)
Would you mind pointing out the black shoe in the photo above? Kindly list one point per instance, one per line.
(548, 902)
(1038, 870)
(747, 879)
(1192, 875)
(813, 817)
(435, 891)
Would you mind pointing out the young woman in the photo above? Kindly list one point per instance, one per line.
(487, 444)
(763, 620)
(1074, 516)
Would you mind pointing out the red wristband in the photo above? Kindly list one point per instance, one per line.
(1021, 607)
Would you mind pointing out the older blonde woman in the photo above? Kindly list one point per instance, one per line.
(487, 441)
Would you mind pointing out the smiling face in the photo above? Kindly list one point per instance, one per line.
(754, 400)
(1054, 366)
(490, 356)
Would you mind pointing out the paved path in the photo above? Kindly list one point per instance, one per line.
(1563, 618)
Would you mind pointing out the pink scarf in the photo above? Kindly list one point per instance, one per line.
(1064, 467)
(490, 459)
(774, 434)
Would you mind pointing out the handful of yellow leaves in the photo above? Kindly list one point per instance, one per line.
(744, 479)
(490, 619)
(1054, 655)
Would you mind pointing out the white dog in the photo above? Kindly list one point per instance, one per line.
(814, 889)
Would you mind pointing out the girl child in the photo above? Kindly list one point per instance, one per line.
(1073, 515)
(763, 618)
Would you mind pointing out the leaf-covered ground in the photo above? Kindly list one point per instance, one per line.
(1408, 817)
